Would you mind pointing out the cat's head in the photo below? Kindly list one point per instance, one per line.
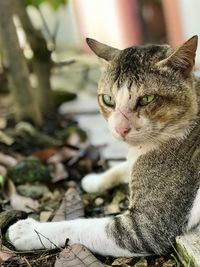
(146, 93)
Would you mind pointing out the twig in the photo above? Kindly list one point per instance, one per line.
(46, 28)
(39, 234)
(27, 262)
(63, 63)
(40, 239)
(55, 32)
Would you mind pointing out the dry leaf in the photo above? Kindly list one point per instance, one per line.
(71, 207)
(59, 173)
(62, 155)
(77, 255)
(45, 215)
(3, 171)
(141, 263)
(17, 201)
(7, 160)
(26, 204)
(5, 254)
(121, 261)
(45, 154)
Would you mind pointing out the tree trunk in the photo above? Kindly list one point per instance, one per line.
(42, 57)
(26, 104)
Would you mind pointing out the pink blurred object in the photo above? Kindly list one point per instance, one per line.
(114, 22)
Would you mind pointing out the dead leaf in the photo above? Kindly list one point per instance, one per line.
(3, 171)
(121, 261)
(5, 254)
(45, 154)
(141, 263)
(17, 201)
(45, 215)
(7, 160)
(71, 207)
(6, 139)
(113, 207)
(26, 204)
(74, 139)
(63, 154)
(77, 255)
(169, 263)
(59, 173)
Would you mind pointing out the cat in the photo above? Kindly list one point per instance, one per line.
(151, 100)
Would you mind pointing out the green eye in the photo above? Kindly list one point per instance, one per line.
(108, 100)
(145, 100)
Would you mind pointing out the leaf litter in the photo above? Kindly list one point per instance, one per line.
(40, 174)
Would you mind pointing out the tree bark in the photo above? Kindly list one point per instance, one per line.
(42, 57)
(25, 102)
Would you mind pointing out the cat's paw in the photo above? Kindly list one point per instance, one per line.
(92, 183)
(23, 235)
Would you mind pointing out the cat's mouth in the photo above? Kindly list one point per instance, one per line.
(133, 137)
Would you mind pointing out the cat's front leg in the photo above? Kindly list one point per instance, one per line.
(100, 182)
(93, 233)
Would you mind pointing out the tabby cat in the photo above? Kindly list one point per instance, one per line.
(150, 99)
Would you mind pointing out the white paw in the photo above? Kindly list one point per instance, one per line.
(92, 183)
(22, 234)
(29, 234)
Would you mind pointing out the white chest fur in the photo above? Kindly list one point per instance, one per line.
(194, 216)
(135, 152)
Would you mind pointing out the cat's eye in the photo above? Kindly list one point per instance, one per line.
(145, 100)
(108, 100)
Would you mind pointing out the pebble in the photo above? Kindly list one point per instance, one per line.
(99, 201)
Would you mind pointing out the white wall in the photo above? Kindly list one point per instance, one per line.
(190, 18)
(67, 34)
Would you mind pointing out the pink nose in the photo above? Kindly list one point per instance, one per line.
(122, 131)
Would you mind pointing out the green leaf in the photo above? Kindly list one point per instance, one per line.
(55, 4)
(1, 180)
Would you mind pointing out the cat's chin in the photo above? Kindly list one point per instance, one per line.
(130, 142)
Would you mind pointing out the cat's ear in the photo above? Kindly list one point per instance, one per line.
(183, 58)
(101, 50)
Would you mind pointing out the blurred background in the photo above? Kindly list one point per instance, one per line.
(120, 23)
(46, 66)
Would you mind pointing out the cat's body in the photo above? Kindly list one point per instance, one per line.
(151, 101)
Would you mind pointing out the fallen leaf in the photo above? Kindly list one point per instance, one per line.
(59, 173)
(121, 261)
(113, 207)
(45, 215)
(6, 139)
(62, 155)
(45, 154)
(74, 139)
(7, 160)
(3, 171)
(169, 263)
(141, 263)
(71, 207)
(26, 204)
(17, 201)
(5, 254)
(77, 255)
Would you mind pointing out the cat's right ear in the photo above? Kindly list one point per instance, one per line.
(102, 50)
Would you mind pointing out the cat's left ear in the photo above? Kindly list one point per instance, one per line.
(102, 50)
(183, 58)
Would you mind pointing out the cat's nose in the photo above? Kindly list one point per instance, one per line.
(122, 131)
